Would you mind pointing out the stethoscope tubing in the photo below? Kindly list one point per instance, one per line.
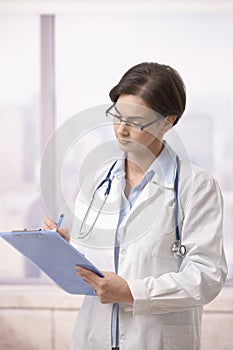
(176, 203)
(85, 234)
(108, 189)
(178, 249)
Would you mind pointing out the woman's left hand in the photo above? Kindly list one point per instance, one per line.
(109, 289)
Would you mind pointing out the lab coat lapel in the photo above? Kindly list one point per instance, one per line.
(154, 189)
(162, 180)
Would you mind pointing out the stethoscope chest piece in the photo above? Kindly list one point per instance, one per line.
(178, 249)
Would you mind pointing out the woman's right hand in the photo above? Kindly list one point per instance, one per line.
(49, 224)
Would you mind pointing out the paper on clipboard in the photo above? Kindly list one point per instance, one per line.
(54, 256)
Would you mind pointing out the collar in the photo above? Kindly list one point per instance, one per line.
(163, 168)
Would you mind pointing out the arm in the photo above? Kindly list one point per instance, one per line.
(202, 271)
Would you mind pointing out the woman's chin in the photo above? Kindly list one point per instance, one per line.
(125, 145)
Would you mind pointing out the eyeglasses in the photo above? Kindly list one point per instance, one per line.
(115, 116)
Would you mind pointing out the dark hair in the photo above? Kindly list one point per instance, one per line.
(159, 85)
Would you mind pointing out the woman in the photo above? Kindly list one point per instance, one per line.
(150, 298)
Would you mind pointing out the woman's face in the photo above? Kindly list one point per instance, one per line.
(132, 108)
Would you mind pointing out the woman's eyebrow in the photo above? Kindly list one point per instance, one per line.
(129, 115)
(136, 117)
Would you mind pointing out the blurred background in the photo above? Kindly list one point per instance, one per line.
(60, 57)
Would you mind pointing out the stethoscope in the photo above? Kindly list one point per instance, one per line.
(177, 248)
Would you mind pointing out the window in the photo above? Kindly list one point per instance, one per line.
(20, 136)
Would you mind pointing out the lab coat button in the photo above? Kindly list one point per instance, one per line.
(123, 337)
(124, 251)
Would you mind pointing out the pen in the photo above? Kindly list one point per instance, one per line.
(60, 221)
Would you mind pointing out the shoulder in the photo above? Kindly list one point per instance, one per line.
(195, 182)
(194, 174)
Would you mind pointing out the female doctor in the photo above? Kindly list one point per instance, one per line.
(161, 245)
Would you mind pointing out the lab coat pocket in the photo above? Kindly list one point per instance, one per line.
(180, 337)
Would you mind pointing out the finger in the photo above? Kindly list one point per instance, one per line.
(64, 233)
(85, 272)
(49, 224)
(92, 283)
(88, 276)
(80, 268)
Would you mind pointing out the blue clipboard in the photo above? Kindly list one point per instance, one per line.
(54, 256)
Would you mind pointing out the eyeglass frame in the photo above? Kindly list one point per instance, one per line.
(121, 120)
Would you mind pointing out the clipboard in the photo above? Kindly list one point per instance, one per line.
(54, 256)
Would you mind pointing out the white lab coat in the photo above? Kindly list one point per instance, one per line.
(169, 292)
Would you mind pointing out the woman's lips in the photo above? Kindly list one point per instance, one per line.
(123, 141)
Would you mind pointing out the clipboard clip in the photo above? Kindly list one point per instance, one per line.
(28, 230)
(58, 224)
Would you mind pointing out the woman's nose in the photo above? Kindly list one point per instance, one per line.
(123, 128)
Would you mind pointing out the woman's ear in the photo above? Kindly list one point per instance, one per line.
(171, 119)
(168, 123)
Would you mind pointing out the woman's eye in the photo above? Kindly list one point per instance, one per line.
(135, 121)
